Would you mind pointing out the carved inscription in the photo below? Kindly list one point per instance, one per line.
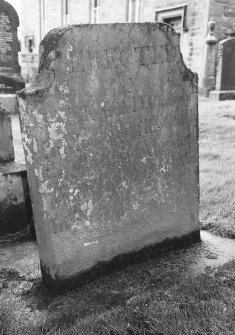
(6, 40)
(110, 58)
(145, 129)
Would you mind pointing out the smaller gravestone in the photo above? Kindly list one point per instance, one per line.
(6, 139)
(10, 72)
(225, 78)
(208, 73)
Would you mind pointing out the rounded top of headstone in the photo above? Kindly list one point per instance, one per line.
(230, 33)
(11, 12)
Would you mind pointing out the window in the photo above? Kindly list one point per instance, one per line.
(95, 11)
(29, 43)
(174, 16)
(134, 10)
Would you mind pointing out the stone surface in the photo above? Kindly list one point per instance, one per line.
(6, 139)
(225, 79)
(10, 77)
(110, 133)
(15, 203)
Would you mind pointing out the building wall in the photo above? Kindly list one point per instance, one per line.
(192, 39)
(223, 12)
(114, 13)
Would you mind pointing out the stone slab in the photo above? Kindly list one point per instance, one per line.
(9, 102)
(222, 95)
(110, 133)
(225, 76)
(15, 203)
(6, 139)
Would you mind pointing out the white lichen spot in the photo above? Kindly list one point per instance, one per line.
(88, 224)
(62, 115)
(84, 206)
(135, 205)
(102, 105)
(86, 244)
(35, 146)
(64, 88)
(56, 133)
(75, 226)
(124, 185)
(26, 143)
(29, 158)
(62, 152)
(37, 116)
(71, 190)
(89, 208)
(52, 54)
(38, 173)
(75, 192)
(144, 160)
(69, 50)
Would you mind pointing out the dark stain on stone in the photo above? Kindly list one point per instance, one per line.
(61, 285)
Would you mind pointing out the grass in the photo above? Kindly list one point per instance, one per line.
(217, 167)
(196, 305)
(201, 305)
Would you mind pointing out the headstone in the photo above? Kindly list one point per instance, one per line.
(10, 76)
(225, 78)
(6, 139)
(110, 132)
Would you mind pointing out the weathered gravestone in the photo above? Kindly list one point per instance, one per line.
(225, 77)
(10, 76)
(110, 132)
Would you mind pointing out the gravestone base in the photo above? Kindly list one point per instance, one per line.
(60, 284)
(9, 102)
(15, 203)
(205, 91)
(222, 95)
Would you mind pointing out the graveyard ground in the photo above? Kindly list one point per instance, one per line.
(217, 162)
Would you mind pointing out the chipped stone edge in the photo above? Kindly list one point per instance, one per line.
(51, 42)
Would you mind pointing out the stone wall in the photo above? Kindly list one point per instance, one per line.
(223, 12)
